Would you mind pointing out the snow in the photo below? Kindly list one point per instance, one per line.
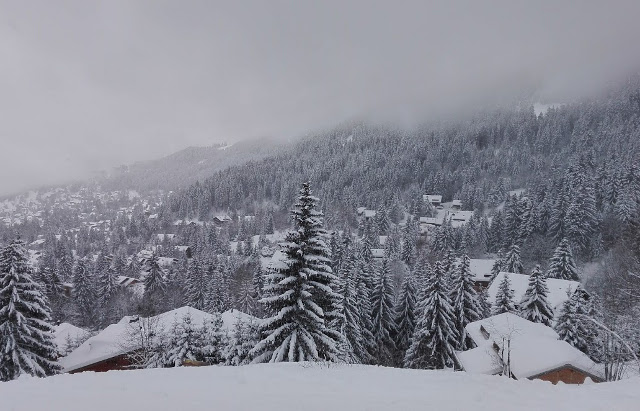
(481, 268)
(519, 282)
(109, 342)
(306, 386)
(534, 348)
(65, 332)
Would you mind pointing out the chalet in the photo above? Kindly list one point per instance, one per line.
(434, 200)
(112, 348)
(221, 219)
(509, 345)
(559, 290)
(481, 270)
(456, 205)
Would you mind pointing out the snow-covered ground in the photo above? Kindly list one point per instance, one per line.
(307, 387)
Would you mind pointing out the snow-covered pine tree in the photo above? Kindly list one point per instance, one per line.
(512, 262)
(243, 337)
(185, 342)
(498, 265)
(354, 350)
(212, 346)
(382, 316)
(84, 295)
(484, 304)
(504, 298)
(534, 305)
(195, 287)
(364, 288)
(405, 315)
(300, 293)
(571, 325)
(562, 264)
(434, 339)
(107, 281)
(154, 286)
(26, 336)
(465, 301)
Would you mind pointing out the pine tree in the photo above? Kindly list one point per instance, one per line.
(242, 339)
(185, 342)
(363, 284)
(84, 294)
(512, 262)
(154, 286)
(435, 336)
(465, 301)
(382, 317)
(26, 336)
(195, 285)
(498, 265)
(534, 305)
(571, 325)
(350, 325)
(562, 264)
(484, 304)
(107, 282)
(300, 293)
(405, 315)
(504, 298)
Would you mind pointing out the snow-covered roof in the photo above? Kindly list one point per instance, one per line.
(65, 332)
(377, 252)
(113, 340)
(456, 203)
(461, 215)
(519, 282)
(369, 213)
(481, 268)
(533, 348)
(480, 360)
(432, 198)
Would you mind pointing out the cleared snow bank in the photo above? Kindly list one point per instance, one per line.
(307, 387)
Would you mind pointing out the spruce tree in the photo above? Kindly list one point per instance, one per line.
(300, 293)
(504, 298)
(572, 324)
(154, 286)
(465, 301)
(84, 295)
(562, 264)
(382, 316)
(405, 315)
(435, 337)
(185, 342)
(195, 285)
(512, 262)
(240, 341)
(534, 305)
(354, 350)
(26, 336)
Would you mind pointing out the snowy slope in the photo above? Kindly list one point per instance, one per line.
(307, 387)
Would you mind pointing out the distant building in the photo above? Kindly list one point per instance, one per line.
(433, 199)
(456, 205)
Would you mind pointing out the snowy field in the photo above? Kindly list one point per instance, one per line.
(307, 387)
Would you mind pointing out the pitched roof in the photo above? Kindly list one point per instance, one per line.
(534, 349)
(113, 340)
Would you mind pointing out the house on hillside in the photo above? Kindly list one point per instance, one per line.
(365, 213)
(433, 199)
(559, 290)
(481, 270)
(509, 345)
(456, 205)
(114, 347)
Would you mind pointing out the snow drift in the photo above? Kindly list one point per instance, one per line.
(307, 387)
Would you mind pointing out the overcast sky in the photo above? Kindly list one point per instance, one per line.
(86, 85)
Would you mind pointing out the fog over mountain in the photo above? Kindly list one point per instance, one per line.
(86, 86)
